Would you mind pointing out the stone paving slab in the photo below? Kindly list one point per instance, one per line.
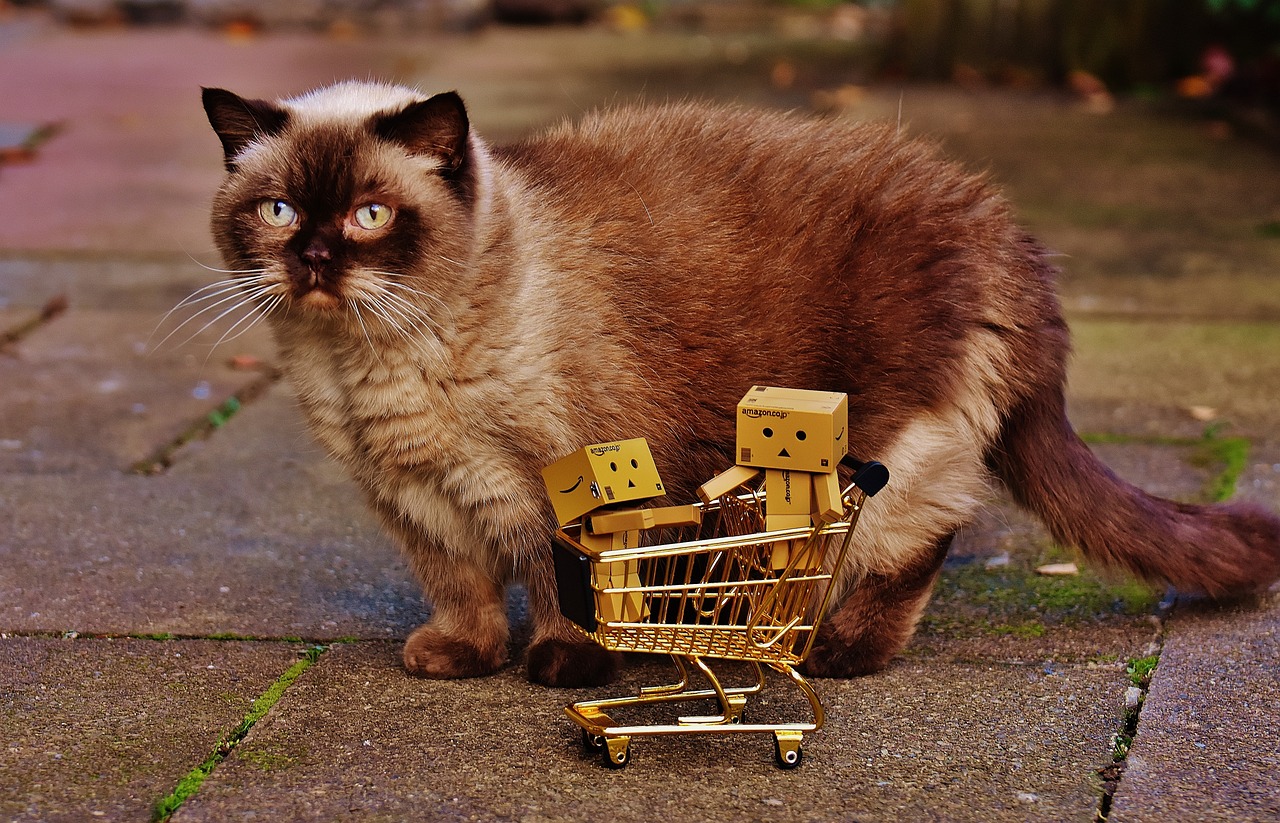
(1206, 746)
(87, 393)
(356, 735)
(228, 553)
(102, 729)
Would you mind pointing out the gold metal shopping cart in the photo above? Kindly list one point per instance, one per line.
(713, 590)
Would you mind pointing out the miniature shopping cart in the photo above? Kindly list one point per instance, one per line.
(714, 590)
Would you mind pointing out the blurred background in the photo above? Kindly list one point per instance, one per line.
(1138, 137)
(1228, 50)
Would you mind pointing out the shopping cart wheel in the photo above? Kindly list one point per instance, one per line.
(786, 750)
(592, 742)
(617, 752)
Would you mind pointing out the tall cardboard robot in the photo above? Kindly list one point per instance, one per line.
(796, 438)
(588, 484)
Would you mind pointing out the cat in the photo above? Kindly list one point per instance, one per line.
(454, 316)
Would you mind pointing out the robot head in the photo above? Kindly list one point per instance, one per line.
(601, 474)
(793, 429)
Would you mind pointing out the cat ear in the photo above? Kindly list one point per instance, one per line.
(239, 122)
(437, 126)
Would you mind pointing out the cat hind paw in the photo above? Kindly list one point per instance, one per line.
(832, 657)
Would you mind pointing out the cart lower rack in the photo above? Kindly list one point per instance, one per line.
(725, 589)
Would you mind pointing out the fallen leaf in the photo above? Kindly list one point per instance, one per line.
(244, 362)
(1202, 413)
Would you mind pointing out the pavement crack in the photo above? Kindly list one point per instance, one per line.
(52, 308)
(162, 459)
(1140, 671)
(190, 784)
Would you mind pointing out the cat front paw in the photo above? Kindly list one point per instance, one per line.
(429, 653)
(571, 664)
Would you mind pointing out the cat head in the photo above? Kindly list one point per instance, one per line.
(354, 203)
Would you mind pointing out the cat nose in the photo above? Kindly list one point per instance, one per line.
(316, 255)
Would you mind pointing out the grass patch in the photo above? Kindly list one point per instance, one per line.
(191, 782)
(1140, 670)
(1210, 450)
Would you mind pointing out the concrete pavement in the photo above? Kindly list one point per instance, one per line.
(218, 640)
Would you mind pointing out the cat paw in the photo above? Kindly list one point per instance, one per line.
(571, 664)
(428, 653)
(832, 657)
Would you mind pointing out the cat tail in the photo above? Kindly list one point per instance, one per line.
(1219, 550)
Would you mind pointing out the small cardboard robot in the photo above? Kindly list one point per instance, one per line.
(586, 484)
(796, 437)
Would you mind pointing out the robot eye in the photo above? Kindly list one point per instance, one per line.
(768, 432)
(801, 435)
(635, 464)
(613, 466)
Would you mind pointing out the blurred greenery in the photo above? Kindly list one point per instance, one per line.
(1128, 44)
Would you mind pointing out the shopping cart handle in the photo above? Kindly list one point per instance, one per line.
(870, 476)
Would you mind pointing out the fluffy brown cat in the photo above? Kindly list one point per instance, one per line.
(455, 316)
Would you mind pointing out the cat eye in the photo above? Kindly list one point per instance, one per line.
(277, 213)
(373, 216)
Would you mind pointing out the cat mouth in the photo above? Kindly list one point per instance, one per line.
(318, 299)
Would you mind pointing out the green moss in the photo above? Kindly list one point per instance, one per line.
(1229, 455)
(1140, 669)
(190, 784)
(1015, 601)
(1026, 630)
(269, 760)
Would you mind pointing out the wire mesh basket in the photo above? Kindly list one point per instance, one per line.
(723, 589)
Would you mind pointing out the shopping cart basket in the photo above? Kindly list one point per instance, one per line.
(709, 591)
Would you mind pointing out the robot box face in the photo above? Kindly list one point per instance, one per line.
(600, 474)
(793, 429)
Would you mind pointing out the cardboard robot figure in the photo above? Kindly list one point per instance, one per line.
(587, 485)
(796, 438)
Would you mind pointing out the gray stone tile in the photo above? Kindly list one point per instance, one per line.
(942, 741)
(131, 554)
(87, 393)
(1206, 742)
(102, 729)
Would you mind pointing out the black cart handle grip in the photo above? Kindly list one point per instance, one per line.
(870, 476)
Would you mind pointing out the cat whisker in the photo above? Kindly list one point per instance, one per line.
(444, 307)
(222, 287)
(254, 318)
(244, 299)
(389, 306)
(216, 270)
(418, 318)
(355, 309)
(226, 293)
